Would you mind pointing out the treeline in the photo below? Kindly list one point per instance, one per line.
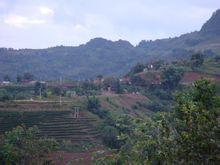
(20, 78)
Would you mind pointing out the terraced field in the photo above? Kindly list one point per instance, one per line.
(53, 123)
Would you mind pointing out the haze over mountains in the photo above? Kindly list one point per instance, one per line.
(105, 57)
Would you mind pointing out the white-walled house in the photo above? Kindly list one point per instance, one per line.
(6, 83)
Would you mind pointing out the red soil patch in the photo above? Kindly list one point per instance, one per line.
(190, 77)
(152, 77)
(79, 158)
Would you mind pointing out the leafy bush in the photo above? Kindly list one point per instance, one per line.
(137, 80)
(20, 146)
(139, 67)
(109, 136)
(154, 106)
(196, 60)
(171, 77)
(4, 96)
(188, 135)
(93, 103)
(163, 94)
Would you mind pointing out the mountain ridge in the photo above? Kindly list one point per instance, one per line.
(106, 57)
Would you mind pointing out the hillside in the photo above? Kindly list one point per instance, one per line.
(206, 40)
(59, 123)
(101, 56)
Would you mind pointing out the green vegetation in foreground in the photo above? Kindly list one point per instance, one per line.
(20, 146)
(188, 135)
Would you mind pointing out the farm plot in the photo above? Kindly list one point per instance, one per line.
(52, 123)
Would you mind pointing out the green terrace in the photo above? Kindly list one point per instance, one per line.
(54, 124)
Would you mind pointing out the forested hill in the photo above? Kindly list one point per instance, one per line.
(101, 56)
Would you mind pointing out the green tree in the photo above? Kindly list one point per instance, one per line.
(196, 123)
(137, 81)
(4, 95)
(197, 60)
(113, 83)
(158, 64)
(139, 67)
(39, 88)
(93, 103)
(109, 136)
(204, 93)
(20, 146)
(28, 76)
(171, 77)
(188, 135)
(19, 78)
(118, 88)
(7, 78)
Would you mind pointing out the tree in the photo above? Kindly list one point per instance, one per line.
(109, 136)
(20, 146)
(204, 93)
(56, 91)
(113, 83)
(158, 64)
(171, 77)
(4, 95)
(195, 124)
(197, 60)
(139, 67)
(188, 135)
(99, 76)
(93, 103)
(137, 81)
(7, 78)
(19, 78)
(118, 89)
(28, 76)
(39, 88)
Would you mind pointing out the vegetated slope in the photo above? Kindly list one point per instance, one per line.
(131, 103)
(101, 56)
(206, 40)
(98, 56)
(190, 77)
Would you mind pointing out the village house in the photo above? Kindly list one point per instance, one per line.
(98, 81)
(125, 81)
(6, 83)
(31, 82)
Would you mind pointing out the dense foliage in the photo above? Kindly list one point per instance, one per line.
(4, 96)
(171, 77)
(196, 60)
(188, 135)
(21, 146)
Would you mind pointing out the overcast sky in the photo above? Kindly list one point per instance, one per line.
(46, 23)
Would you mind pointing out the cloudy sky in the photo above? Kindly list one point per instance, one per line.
(46, 23)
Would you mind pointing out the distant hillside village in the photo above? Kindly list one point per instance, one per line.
(108, 83)
(151, 75)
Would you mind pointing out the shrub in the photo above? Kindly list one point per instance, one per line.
(154, 106)
(109, 137)
(93, 103)
(4, 95)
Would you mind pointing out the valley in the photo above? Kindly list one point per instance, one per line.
(110, 102)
